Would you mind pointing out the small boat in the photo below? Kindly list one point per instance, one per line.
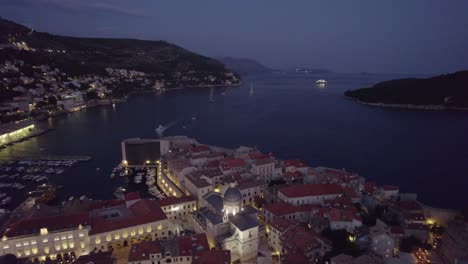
(82, 197)
(112, 176)
(160, 129)
(321, 81)
(71, 198)
(251, 90)
(211, 100)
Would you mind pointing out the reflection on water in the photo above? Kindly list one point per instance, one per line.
(286, 117)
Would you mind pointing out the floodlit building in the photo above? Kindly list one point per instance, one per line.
(229, 224)
(95, 226)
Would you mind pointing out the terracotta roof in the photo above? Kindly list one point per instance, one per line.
(171, 200)
(260, 162)
(142, 250)
(212, 257)
(188, 246)
(294, 163)
(304, 190)
(132, 196)
(232, 163)
(54, 222)
(295, 258)
(299, 239)
(141, 212)
(344, 215)
(279, 209)
(280, 224)
(258, 155)
(200, 148)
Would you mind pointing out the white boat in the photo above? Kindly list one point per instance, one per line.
(160, 129)
(251, 90)
(321, 81)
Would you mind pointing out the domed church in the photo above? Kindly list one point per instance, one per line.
(229, 224)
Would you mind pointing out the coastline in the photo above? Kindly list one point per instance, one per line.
(104, 102)
(409, 106)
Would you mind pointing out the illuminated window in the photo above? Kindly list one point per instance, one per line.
(125, 234)
(6, 246)
(160, 226)
(46, 250)
(44, 231)
(132, 233)
(117, 236)
(18, 244)
(108, 237)
(148, 228)
(70, 236)
(56, 238)
(27, 252)
(64, 237)
(81, 235)
(98, 239)
(71, 244)
(57, 247)
(82, 244)
(25, 243)
(64, 245)
(140, 230)
(33, 242)
(34, 250)
(45, 240)
(18, 253)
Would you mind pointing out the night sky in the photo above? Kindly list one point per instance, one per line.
(399, 36)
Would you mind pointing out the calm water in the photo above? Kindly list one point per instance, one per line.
(423, 152)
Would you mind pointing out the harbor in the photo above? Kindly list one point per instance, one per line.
(23, 178)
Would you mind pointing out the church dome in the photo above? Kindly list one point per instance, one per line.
(232, 195)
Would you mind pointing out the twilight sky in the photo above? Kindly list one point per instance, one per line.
(398, 36)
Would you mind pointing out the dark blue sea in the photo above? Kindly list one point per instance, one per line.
(421, 151)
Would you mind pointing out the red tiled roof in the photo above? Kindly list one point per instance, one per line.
(258, 155)
(189, 245)
(260, 162)
(299, 239)
(310, 190)
(232, 163)
(294, 163)
(343, 215)
(279, 209)
(171, 200)
(132, 196)
(201, 148)
(143, 211)
(52, 223)
(280, 224)
(295, 258)
(212, 257)
(142, 250)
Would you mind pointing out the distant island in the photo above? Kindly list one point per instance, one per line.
(448, 91)
(244, 66)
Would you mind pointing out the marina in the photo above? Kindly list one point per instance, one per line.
(24, 178)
